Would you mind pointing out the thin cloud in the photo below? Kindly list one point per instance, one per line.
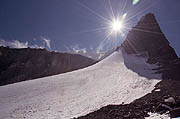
(67, 48)
(103, 46)
(13, 44)
(36, 46)
(83, 51)
(17, 44)
(75, 49)
(46, 41)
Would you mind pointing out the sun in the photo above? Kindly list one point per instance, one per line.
(117, 25)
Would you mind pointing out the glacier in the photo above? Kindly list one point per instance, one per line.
(113, 80)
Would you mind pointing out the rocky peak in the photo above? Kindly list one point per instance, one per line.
(148, 22)
(147, 36)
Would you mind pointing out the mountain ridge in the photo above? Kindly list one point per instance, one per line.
(26, 64)
(147, 36)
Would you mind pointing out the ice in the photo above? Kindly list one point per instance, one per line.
(79, 92)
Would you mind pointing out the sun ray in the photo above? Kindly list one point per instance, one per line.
(93, 11)
(122, 11)
(140, 4)
(102, 42)
(120, 38)
(137, 7)
(110, 5)
(131, 23)
(136, 14)
(92, 30)
(122, 33)
(144, 30)
(140, 12)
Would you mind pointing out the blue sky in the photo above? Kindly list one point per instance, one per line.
(80, 25)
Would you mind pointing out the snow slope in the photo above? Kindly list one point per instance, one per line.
(79, 92)
(158, 116)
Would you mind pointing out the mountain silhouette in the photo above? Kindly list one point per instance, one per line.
(18, 65)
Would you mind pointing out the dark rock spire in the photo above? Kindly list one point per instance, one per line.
(147, 36)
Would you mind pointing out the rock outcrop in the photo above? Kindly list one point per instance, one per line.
(147, 37)
(24, 64)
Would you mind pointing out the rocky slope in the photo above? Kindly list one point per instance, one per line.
(24, 64)
(147, 37)
(147, 40)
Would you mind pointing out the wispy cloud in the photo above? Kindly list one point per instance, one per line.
(46, 41)
(108, 44)
(75, 49)
(13, 44)
(68, 48)
(92, 53)
(104, 45)
(17, 44)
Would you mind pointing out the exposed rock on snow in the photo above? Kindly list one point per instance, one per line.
(158, 116)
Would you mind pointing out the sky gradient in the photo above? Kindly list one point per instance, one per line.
(80, 25)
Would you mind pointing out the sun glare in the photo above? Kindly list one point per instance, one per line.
(117, 25)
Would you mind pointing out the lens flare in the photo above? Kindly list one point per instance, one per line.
(124, 16)
(134, 2)
(117, 25)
